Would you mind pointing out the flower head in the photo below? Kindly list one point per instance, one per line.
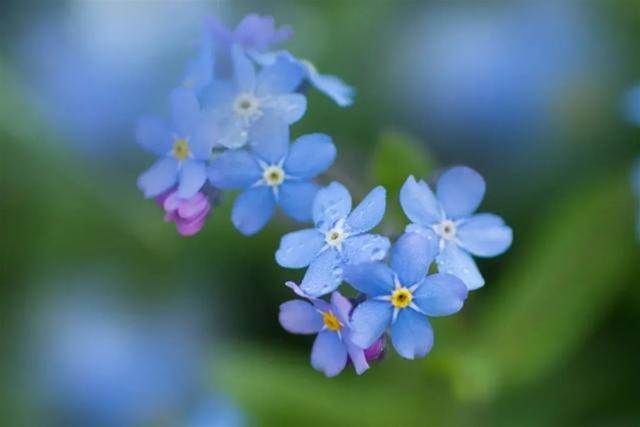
(447, 220)
(402, 295)
(253, 101)
(332, 347)
(339, 238)
(183, 147)
(273, 173)
(188, 214)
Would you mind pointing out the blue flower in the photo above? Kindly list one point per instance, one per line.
(183, 147)
(254, 32)
(340, 92)
(272, 173)
(248, 99)
(339, 238)
(449, 214)
(402, 295)
(199, 72)
(332, 347)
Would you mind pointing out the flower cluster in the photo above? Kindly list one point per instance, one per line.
(230, 131)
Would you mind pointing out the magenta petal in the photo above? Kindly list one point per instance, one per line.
(194, 207)
(189, 228)
(172, 202)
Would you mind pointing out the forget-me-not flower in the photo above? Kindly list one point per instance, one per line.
(332, 347)
(403, 295)
(449, 214)
(184, 146)
(271, 173)
(332, 86)
(254, 32)
(250, 98)
(340, 237)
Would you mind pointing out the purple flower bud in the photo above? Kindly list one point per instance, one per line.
(188, 214)
(377, 350)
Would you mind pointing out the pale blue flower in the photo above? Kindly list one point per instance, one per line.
(402, 295)
(183, 146)
(249, 98)
(271, 172)
(449, 214)
(339, 238)
(253, 32)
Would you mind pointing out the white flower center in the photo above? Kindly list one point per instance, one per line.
(335, 236)
(446, 229)
(247, 105)
(273, 175)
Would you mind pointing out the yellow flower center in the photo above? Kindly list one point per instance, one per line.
(401, 297)
(273, 175)
(331, 322)
(180, 149)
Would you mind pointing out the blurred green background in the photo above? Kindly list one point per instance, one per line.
(527, 93)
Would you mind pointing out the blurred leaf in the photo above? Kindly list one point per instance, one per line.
(567, 277)
(396, 157)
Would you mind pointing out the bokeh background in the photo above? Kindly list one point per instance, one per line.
(110, 318)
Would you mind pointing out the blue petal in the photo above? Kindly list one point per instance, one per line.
(365, 248)
(219, 94)
(296, 198)
(440, 294)
(193, 175)
(454, 260)
(411, 257)
(300, 317)
(159, 178)
(331, 204)
(299, 248)
(324, 274)
(284, 76)
(233, 132)
(154, 135)
(369, 212)
(371, 278)
(460, 191)
(369, 321)
(270, 139)
(357, 356)
(234, 169)
(310, 155)
(418, 202)
(290, 107)
(411, 334)
(244, 73)
(185, 112)
(485, 235)
(199, 71)
(331, 86)
(427, 232)
(253, 209)
(341, 307)
(329, 354)
(204, 137)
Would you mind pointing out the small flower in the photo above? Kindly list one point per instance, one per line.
(188, 214)
(332, 347)
(402, 295)
(332, 86)
(183, 147)
(249, 99)
(338, 238)
(272, 173)
(254, 32)
(448, 214)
